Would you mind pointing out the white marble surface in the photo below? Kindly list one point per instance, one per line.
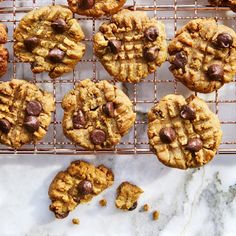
(194, 202)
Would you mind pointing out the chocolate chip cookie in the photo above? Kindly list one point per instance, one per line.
(25, 112)
(127, 196)
(49, 38)
(95, 8)
(183, 133)
(96, 115)
(79, 183)
(3, 50)
(202, 55)
(224, 3)
(131, 45)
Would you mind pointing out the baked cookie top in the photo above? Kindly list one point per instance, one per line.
(3, 51)
(95, 8)
(127, 196)
(131, 45)
(79, 183)
(183, 133)
(25, 112)
(96, 115)
(224, 3)
(202, 55)
(49, 38)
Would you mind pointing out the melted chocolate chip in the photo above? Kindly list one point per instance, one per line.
(98, 136)
(167, 135)
(180, 60)
(194, 145)
(108, 109)
(224, 40)
(187, 112)
(33, 108)
(85, 187)
(31, 43)
(133, 207)
(86, 4)
(5, 126)
(56, 55)
(150, 54)
(115, 45)
(215, 72)
(151, 33)
(59, 26)
(31, 123)
(79, 120)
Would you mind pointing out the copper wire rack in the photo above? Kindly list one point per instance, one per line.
(174, 14)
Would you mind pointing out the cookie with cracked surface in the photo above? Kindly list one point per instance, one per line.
(96, 115)
(183, 133)
(79, 183)
(127, 196)
(202, 55)
(3, 51)
(131, 45)
(95, 8)
(49, 38)
(25, 113)
(224, 3)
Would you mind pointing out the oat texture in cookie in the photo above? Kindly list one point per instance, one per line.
(127, 196)
(49, 38)
(25, 113)
(183, 133)
(79, 183)
(95, 8)
(203, 55)
(96, 115)
(131, 45)
(224, 3)
(3, 51)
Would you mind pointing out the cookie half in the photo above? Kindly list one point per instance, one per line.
(203, 55)
(25, 113)
(4, 55)
(183, 133)
(49, 38)
(96, 115)
(79, 183)
(131, 45)
(95, 8)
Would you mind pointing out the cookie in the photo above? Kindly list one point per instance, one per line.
(224, 3)
(95, 8)
(3, 51)
(79, 183)
(49, 38)
(25, 113)
(131, 45)
(203, 55)
(127, 196)
(96, 115)
(183, 133)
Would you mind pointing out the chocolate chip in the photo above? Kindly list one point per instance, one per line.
(33, 108)
(59, 26)
(108, 109)
(224, 40)
(86, 4)
(31, 123)
(31, 43)
(194, 145)
(150, 54)
(115, 45)
(151, 33)
(180, 60)
(62, 215)
(98, 136)
(133, 207)
(215, 72)
(187, 112)
(167, 135)
(79, 120)
(85, 187)
(5, 126)
(56, 55)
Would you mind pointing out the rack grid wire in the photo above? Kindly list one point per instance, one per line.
(174, 14)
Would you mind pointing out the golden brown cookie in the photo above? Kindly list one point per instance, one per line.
(183, 133)
(95, 8)
(202, 55)
(49, 38)
(3, 51)
(79, 183)
(127, 196)
(25, 113)
(96, 115)
(224, 3)
(131, 45)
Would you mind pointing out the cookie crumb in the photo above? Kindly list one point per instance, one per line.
(75, 221)
(103, 202)
(146, 207)
(155, 215)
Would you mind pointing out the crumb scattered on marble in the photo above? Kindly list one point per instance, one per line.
(75, 221)
(103, 202)
(146, 207)
(155, 215)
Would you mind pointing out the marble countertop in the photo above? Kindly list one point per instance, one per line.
(193, 202)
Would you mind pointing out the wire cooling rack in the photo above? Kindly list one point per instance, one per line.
(174, 14)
